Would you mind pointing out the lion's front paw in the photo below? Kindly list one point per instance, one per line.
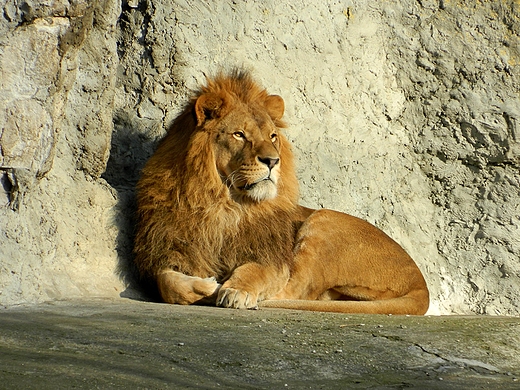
(179, 288)
(237, 299)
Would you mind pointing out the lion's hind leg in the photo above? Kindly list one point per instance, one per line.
(344, 264)
(176, 287)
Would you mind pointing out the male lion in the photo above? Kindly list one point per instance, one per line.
(219, 221)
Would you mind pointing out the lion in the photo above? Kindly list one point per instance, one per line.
(219, 221)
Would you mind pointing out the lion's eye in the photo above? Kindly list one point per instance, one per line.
(274, 137)
(239, 135)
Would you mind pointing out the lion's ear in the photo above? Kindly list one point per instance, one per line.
(208, 106)
(275, 106)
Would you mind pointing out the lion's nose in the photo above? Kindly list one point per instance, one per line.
(270, 162)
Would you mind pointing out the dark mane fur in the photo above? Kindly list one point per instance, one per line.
(187, 219)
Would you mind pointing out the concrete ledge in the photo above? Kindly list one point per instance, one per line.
(131, 344)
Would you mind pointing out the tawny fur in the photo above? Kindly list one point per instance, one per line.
(219, 220)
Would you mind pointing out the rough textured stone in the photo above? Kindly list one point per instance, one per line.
(123, 344)
(58, 80)
(405, 114)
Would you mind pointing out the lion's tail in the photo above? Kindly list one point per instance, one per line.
(412, 304)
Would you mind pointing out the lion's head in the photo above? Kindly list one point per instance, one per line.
(246, 142)
(244, 125)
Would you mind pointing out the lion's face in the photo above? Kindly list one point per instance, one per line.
(246, 145)
(247, 154)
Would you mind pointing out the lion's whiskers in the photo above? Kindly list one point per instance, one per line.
(234, 177)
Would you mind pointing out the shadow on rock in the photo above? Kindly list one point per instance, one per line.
(132, 145)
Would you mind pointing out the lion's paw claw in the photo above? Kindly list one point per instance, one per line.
(236, 299)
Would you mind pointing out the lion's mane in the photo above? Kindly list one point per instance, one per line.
(187, 220)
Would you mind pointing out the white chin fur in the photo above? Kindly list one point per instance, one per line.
(265, 190)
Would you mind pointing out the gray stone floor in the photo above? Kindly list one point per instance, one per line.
(139, 345)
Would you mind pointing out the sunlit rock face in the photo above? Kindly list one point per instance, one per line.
(403, 114)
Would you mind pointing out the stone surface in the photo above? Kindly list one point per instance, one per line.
(57, 233)
(129, 344)
(405, 114)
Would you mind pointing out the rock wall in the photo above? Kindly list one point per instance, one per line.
(57, 85)
(403, 113)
